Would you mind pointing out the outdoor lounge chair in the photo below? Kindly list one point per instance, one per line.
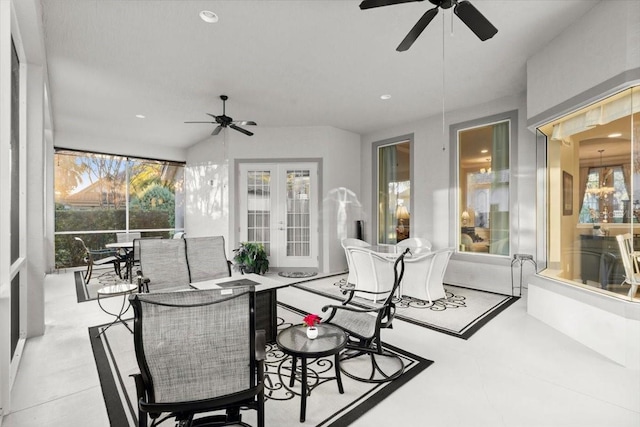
(93, 257)
(363, 328)
(198, 351)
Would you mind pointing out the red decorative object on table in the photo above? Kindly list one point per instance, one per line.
(311, 320)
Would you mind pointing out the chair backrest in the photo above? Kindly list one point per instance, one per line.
(351, 241)
(127, 237)
(415, 243)
(371, 271)
(630, 263)
(164, 263)
(195, 345)
(84, 246)
(136, 248)
(207, 258)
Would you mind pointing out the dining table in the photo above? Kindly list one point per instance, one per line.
(266, 297)
(125, 251)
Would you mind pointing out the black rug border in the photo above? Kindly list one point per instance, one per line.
(116, 409)
(466, 333)
(81, 289)
(110, 395)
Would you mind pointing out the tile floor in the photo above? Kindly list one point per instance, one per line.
(516, 371)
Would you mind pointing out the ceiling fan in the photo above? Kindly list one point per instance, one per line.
(463, 9)
(224, 121)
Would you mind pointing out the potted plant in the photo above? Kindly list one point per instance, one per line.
(251, 257)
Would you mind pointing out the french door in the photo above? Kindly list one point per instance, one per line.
(279, 208)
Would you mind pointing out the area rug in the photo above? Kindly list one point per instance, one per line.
(461, 314)
(99, 279)
(115, 359)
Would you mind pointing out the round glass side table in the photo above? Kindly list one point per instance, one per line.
(121, 289)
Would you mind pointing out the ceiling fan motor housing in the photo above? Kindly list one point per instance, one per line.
(444, 4)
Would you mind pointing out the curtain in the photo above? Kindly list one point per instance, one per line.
(499, 209)
(387, 173)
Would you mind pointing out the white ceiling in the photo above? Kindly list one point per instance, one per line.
(282, 63)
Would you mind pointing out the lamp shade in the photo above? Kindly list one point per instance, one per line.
(402, 212)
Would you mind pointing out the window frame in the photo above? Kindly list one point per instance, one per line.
(375, 149)
(511, 117)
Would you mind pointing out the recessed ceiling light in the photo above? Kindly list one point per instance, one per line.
(140, 116)
(484, 151)
(614, 135)
(385, 96)
(208, 16)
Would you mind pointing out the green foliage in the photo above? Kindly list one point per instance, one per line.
(155, 198)
(69, 252)
(251, 257)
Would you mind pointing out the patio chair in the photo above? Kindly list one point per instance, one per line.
(207, 258)
(135, 256)
(363, 328)
(350, 241)
(630, 262)
(424, 275)
(198, 351)
(422, 245)
(98, 257)
(163, 265)
(371, 275)
(126, 254)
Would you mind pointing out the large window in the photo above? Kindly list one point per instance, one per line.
(484, 174)
(97, 195)
(393, 160)
(593, 191)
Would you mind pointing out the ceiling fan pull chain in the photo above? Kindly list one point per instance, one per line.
(451, 14)
(443, 83)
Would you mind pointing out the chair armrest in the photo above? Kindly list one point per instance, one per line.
(261, 344)
(335, 308)
(143, 282)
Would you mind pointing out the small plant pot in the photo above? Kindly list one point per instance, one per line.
(312, 332)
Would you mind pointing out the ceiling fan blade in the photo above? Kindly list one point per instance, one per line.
(417, 29)
(239, 129)
(209, 114)
(216, 130)
(202, 122)
(368, 4)
(246, 123)
(475, 20)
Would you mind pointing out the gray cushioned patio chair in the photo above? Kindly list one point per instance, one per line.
(198, 351)
(207, 258)
(363, 328)
(163, 265)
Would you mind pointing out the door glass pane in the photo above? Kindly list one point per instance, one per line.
(484, 189)
(259, 208)
(394, 192)
(298, 195)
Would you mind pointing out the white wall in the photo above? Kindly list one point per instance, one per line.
(210, 209)
(582, 64)
(601, 45)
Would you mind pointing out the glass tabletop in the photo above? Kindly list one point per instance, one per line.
(121, 288)
(293, 340)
